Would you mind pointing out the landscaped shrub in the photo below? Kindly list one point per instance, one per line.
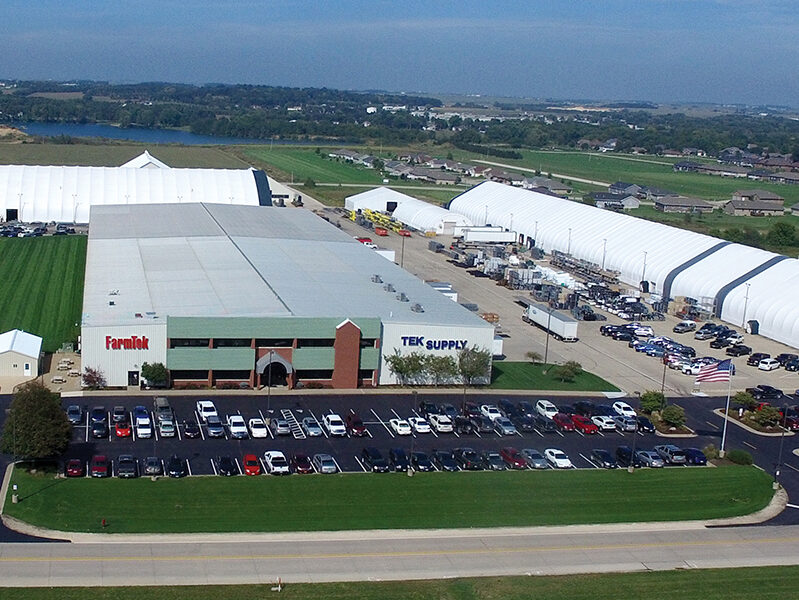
(739, 457)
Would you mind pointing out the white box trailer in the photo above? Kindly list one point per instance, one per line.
(559, 324)
(497, 348)
(488, 236)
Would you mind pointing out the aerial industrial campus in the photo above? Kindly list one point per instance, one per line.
(297, 333)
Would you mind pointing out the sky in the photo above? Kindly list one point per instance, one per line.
(720, 51)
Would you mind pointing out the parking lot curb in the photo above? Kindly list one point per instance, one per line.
(786, 433)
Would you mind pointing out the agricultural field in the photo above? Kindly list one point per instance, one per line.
(42, 289)
(299, 164)
(113, 155)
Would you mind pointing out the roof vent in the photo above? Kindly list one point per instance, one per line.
(402, 297)
(389, 287)
(111, 303)
(417, 308)
(376, 278)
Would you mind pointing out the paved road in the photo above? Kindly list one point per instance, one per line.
(557, 175)
(395, 557)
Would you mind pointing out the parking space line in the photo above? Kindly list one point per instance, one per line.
(263, 466)
(238, 466)
(519, 433)
(713, 425)
(268, 428)
(560, 433)
(600, 433)
(360, 464)
(336, 463)
(313, 416)
(213, 466)
(154, 426)
(791, 467)
(753, 447)
(391, 433)
(588, 460)
(177, 429)
(199, 425)
(477, 433)
(188, 467)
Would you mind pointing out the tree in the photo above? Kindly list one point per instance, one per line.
(567, 371)
(673, 416)
(533, 357)
(745, 400)
(766, 416)
(36, 426)
(782, 234)
(94, 379)
(155, 374)
(441, 369)
(378, 164)
(407, 368)
(309, 183)
(474, 365)
(652, 400)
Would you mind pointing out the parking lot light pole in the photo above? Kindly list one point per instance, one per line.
(414, 395)
(269, 383)
(631, 466)
(779, 455)
(746, 304)
(604, 251)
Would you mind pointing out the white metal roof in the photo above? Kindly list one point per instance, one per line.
(145, 160)
(674, 261)
(409, 210)
(65, 193)
(21, 342)
(212, 260)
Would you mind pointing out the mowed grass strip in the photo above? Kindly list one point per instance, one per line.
(389, 501)
(42, 290)
(763, 583)
(528, 376)
(304, 163)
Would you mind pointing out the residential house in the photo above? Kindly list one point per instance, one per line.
(615, 201)
(416, 158)
(345, 154)
(508, 178)
(693, 152)
(763, 195)
(653, 193)
(686, 166)
(437, 163)
(622, 187)
(670, 152)
(443, 178)
(682, 204)
(609, 145)
(784, 177)
(754, 208)
(556, 187)
(638, 150)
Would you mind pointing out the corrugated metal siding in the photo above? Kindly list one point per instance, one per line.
(115, 364)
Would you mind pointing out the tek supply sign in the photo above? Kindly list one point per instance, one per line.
(134, 342)
(419, 341)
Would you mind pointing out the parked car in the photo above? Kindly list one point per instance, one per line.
(176, 467)
(100, 466)
(492, 461)
(544, 425)
(625, 424)
(400, 426)
(513, 458)
(768, 364)
(166, 429)
(602, 458)
(311, 427)
(74, 414)
(557, 459)
(463, 425)
(526, 408)
(504, 426)
(585, 408)
(252, 466)
(720, 342)
(471, 409)
(335, 425)
(792, 365)
(649, 458)
(765, 392)
(441, 423)
(373, 460)
(490, 411)
(584, 424)
(324, 463)
(785, 357)
(694, 456)
(152, 466)
(420, 461)
(645, 425)
(355, 426)
(280, 426)
(623, 409)
(215, 427)
(468, 459)
(276, 463)
(482, 424)
(237, 427)
(191, 429)
(671, 454)
(301, 463)
(118, 413)
(74, 467)
(99, 429)
(398, 459)
(563, 421)
(226, 466)
(546, 409)
(448, 409)
(122, 429)
(508, 408)
(419, 425)
(755, 358)
(205, 408)
(738, 350)
(444, 460)
(625, 456)
(604, 423)
(684, 327)
(257, 428)
(535, 460)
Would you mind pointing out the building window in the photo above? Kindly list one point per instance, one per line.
(367, 342)
(315, 374)
(316, 343)
(274, 343)
(220, 375)
(365, 374)
(187, 374)
(232, 342)
(189, 342)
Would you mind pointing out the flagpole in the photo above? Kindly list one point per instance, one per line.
(726, 413)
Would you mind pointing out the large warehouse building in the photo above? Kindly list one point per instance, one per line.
(65, 194)
(741, 285)
(232, 295)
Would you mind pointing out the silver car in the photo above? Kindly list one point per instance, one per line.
(649, 458)
(535, 460)
(503, 426)
(625, 423)
(280, 426)
(324, 463)
(311, 427)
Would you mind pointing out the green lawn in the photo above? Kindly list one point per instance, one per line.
(366, 501)
(762, 583)
(715, 220)
(113, 155)
(528, 376)
(298, 164)
(42, 287)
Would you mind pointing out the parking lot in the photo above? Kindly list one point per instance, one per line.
(202, 453)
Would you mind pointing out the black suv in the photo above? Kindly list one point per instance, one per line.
(739, 350)
(127, 467)
(624, 455)
(373, 460)
(755, 358)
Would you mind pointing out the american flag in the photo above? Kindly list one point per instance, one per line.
(719, 371)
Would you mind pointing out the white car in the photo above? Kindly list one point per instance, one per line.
(643, 330)
(546, 409)
(144, 428)
(419, 425)
(276, 463)
(237, 427)
(400, 426)
(257, 428)
(768, 364)
(692, 369)
(334, 425)
(441, 423)
(557, 459)
(604, 423)
(624, 409)
(735, 338)
(205, 408)
(490, 411)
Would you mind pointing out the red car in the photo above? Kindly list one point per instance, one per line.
(300, 463)
(252, 466)
(122, 429)
(100, 466)
(563, 422)
(355, 426)
(513, 458)
(75, 468)
(584, 424)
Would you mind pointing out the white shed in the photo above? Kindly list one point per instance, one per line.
(19, 354)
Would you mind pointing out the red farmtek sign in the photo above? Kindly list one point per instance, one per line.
(133, 342)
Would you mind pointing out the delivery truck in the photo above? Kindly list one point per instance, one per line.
(560, 325)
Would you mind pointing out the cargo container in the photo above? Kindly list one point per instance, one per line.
(560, 325)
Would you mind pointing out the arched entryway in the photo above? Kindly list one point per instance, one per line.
(273, 369)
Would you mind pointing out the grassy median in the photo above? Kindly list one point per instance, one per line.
(507, 375)
(763, 583)
(371, 501)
